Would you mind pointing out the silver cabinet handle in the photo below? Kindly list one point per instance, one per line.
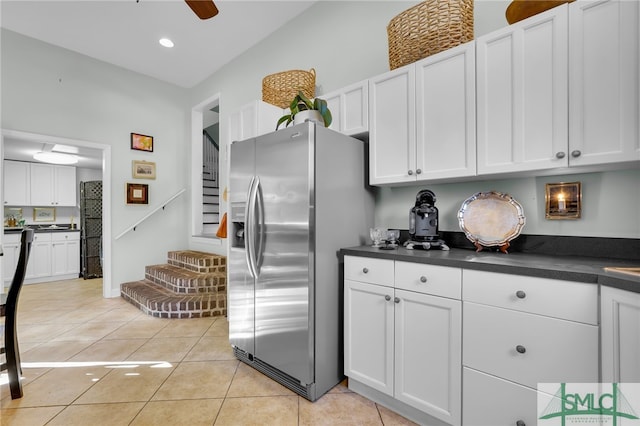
(365, 270)
(418, 171)
(576, 153)
(521, 294)
(521, 349)
(396, 300)
(560, 155)
(387, 297)
(521, 423)
(423, 279)
(410, 172)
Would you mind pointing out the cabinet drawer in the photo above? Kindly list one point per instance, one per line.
(528, 349)
(40, 237)
(368, 270)
(430, 279)
(555, 298)
(485, 401)
(65, 236)
(11, 238)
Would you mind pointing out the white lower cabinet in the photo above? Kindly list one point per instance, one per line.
(404, 344)
(620, 334)
(39, 263)
(65, 253)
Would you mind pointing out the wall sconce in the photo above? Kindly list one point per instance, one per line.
(563, 200)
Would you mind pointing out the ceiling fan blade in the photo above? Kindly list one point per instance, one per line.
(205, 9)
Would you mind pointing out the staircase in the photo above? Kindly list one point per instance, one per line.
(192, 284)
(210, 185)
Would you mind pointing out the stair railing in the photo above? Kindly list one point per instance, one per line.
(151, 213)
(210, 153)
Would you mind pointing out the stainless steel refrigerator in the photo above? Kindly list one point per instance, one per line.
(296, 197)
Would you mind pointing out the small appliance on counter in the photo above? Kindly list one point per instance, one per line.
(423, 223)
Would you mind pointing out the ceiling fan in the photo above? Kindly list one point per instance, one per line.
(205, 9)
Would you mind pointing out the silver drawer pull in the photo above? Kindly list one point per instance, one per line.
(521, 349)
(387, 297)
(423, 279)
(521, 423)
(521, 294)
(365, 270)
(396, 300)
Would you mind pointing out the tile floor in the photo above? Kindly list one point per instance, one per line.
(94, 361)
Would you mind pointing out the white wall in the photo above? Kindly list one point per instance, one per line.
(52, 91)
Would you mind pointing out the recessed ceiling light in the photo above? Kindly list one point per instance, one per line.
(166, 42)
(55, 158)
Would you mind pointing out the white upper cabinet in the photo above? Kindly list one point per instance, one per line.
(522, 95)
(16, 183)
(604, 85)
(446, 114)
(53, 185)
(349, 108)
(392, 130)
(253, 119)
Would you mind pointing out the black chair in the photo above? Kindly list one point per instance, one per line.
(8, 309)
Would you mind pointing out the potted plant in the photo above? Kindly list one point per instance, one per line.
(302, 108)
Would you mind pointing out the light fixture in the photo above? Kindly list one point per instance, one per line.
(166, 42)
(55, 157)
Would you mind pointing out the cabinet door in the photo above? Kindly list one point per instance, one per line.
(65, 186)
(620, 333)
(59, 258)
(392, 135)
(39, 264)
(522, 95)
(604, 85)
(428, 354)
(16, 183)
(42, 184)
(446, 114)
(335, 106)
(368, 335)
(10, 260)
(349, 108)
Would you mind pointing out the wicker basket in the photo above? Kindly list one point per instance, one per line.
(428, 28)
(280, 88)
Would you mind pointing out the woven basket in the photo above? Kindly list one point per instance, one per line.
(428, 28)
(280, 88)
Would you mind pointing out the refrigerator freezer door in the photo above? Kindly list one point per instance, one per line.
(240, 292)
(284, 287)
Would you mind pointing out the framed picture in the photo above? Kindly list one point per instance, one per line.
(144, 169)
(44, 214)
(137, 193)
(563, 200)
(141, 142)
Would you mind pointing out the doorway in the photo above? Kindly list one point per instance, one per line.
(102, 153)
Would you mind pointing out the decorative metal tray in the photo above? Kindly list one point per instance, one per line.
(491, 219)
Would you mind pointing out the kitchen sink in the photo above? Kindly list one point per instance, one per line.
(630, 271)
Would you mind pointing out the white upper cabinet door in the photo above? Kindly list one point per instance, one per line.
(604, 84)
(446, 114)
(392, 131)
(522, 103)
(16, 183)
(42, 185)
(253, 119)
(65, 186)
(349, 108)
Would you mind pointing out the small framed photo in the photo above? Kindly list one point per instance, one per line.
(44, 214)
(563, 200)
(137, 193)
(141, 142)
(144, 169)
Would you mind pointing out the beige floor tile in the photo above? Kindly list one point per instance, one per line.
(137, 383)
(137, 330)
(58, 386)
(250, 382)
(124, 313)
(189, 327)
(211, 349)
(199, 412)
(192, 380)
(28, 416)
(35, 316)
(339, 409)
(53, 351)
(97, 414)
(109, 350)
(90, 331)
(168, 349)
(219, 328)
(42, 332)
(263, 411)
(391, 418)
(80, 315)
(341, 387)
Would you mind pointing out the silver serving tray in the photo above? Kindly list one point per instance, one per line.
(491, 218)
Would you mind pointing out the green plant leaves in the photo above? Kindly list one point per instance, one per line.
(301, 103)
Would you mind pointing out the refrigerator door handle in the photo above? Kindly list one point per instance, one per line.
(249, 233)
(259, 226)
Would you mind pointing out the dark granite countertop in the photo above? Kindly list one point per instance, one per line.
(568, 268)
(42, 228)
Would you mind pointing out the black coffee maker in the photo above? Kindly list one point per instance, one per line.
(423, 223)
